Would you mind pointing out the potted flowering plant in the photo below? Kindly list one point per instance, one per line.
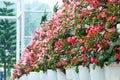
(112, 66)
(101, 31)
(80, 33)
(18, 70)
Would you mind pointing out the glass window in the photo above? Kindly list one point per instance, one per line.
(27, 41)
(32, 22)
(41, 4)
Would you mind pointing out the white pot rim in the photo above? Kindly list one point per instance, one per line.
(113, 64)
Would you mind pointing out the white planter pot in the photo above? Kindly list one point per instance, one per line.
(71, 74)
(112, 72)
(42, 75)
(97, 73)
(33, 76)
(24, 77)
(51, 74)
(60, 75)
(118, 28)
(84, 73)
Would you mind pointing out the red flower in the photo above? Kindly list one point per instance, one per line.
(93, 29)
(67, 52)
(112, 19)
(104, 41)
(102, 14)
(83, 57)
(94, 60)
(111, 30)
(59, 64)
(94, 2)
(82, 41)
(71, 40)
(117, 56)
(88, 36)
(118, 49)
(74, 59)
(59, 43)
(83, 49)
(106, 36)
(99, 45)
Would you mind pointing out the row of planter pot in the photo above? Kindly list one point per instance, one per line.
(111, 72)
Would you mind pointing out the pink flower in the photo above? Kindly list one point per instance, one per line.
(78, 26)
(83, 49)
(87, 26)
(112, 1)
(106, 36)
(102, 14)
(104, 41)
(102, 51)
(111, 30)
(83, 57)
(94, 2)
(59, 44)
(112, 19)
(99, 45)
(74, 59)
(82, 41)
(118, 49)
(88, 36)
(28, 69)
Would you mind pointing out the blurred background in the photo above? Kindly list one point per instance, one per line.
(18, 20)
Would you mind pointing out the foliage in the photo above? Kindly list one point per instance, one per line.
(55, 9)
(7, 37)
(44, 18)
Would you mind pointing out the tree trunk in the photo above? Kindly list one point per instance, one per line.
(5, 70)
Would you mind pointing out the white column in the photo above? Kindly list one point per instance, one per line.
(18, 32)
(22, 26)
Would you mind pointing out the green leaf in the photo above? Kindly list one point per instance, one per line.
(8, 3)
(55, 9)
(101, 58)
(77, 69)
(111, 47)
(112, 59)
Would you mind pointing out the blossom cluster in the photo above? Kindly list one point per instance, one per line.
(79, 33)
